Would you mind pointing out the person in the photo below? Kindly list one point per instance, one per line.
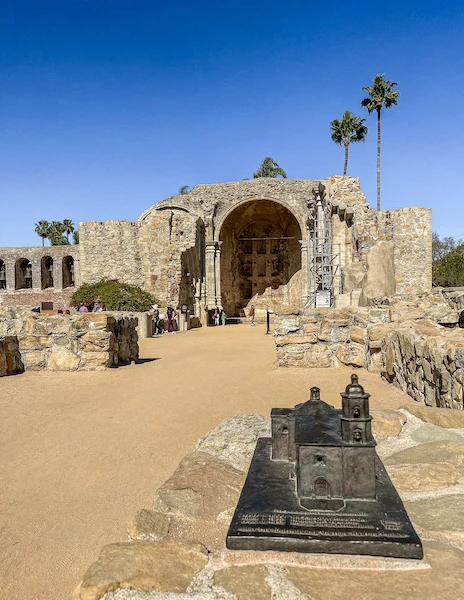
(171, 314)
(251, 314)
(217, 315)
(156, 320)
(83, 308)
(223, 317)
(97, 306)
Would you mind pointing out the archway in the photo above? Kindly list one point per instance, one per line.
(260, 257)
(321, 488)
(47, 272)
(23, 274)
(2, 275)
(68, 271)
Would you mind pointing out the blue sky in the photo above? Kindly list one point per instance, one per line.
(108, 106)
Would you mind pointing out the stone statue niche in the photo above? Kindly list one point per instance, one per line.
(318, 486)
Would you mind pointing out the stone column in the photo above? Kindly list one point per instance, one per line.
(58, 273)
(10, 264)
(217, 273)
(304, 272)
(36, 273)
(210, 251)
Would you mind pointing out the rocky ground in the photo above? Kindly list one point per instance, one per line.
(176, 548)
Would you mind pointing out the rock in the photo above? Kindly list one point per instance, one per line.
(148, 524)
(427, 433)
(358, 335)
(62, 359)
(166, 566)
(234, 439)
(442, 513)
(97, 341)
(310, 338)
(353, 274)
(34, 360)
(380, 332)
(247, 583)
(96, 360)
(379, 281)
(386, 423)
(352, 354)
(443, 417)
(202, 486)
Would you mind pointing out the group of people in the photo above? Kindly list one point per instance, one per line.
(219, 316)
(96, 306)
(162, 323)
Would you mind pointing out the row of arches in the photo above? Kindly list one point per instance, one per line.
(23, 271)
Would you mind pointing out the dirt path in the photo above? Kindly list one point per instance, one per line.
(82, 452)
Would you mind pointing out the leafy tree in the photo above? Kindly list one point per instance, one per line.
(349, 129)
(441, 246)
(448, 271)
(76, 237)
(269, 168)
(42, 229)
(183, 190)
(381, 95)
(114, 295)
(56, 236)
(68, 227)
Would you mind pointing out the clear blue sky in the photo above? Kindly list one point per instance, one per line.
(108, 106)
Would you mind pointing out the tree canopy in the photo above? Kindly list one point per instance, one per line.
(269, 168)
(349, 129)
(114, 295)
(448, 262)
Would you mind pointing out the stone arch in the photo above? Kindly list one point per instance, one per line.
(23, 274)
(321, 488)
(260, 256)
(46, 272)
(68, 271)
(2, 275)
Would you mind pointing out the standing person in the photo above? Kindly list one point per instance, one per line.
(251, 314)
(223, 317)
(171, 314)
(156, 320)
(217, 315)
(83, 308)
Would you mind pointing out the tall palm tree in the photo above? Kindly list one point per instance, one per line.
(56, 236)
(381, 95)
(349, 129)
(68, 227)
(269, 168)
(42, 229)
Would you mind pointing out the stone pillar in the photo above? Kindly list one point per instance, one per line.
(210, 251)
(58, 273)
(10, 265)
(304, 272)
(217, 273)
(36, 273)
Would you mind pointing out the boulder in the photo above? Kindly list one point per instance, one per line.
(247, 583)
(379, 281)
(443, 417)
(62, 359)
(353, 355)
(148, 524)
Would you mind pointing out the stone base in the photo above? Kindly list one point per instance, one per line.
(269, 517)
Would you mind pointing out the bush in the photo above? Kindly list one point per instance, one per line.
(114, 296)
(449, 270)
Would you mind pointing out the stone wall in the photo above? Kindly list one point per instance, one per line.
(70, 343)
(402, 341)
(38, 286)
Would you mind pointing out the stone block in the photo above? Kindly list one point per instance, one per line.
(296, 339)
(148, 524)
(247, 582)
(96, 360)
(352, 355)
(34, 360)
(62, 359)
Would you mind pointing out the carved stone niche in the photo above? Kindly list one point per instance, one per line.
(317, 485)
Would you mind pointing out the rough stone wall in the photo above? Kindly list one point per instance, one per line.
(70, 343)
(58, 293)
(10, 357)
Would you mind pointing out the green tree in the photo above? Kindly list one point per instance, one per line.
(183, 190)
(441, 247)
(449, 270)
(114, 295)
(381, 95)
(269, 168)
(56, 236)
(68, 227)
(42, 229)
(76, 237)
(349, 129)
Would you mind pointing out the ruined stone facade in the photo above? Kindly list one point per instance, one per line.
(252, 242)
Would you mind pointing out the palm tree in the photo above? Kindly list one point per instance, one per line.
(184, 189)
(56, 236)
(68, 227)
(42, 229)
(381, 95)
(269, 168)
(349, 129)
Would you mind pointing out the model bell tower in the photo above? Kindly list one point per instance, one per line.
(355, 419)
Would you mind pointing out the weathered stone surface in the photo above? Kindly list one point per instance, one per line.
(352, 354)
(353, 274)
(166, 566)
(148, 524)
(379, 281)
(247, 583)
(432, 433)
(358, 335)
(442, 513)
(234, 439)
(310, 338)
(387, 423)
(202, 486)
(62, 359)
(34, 360)
(443, 417)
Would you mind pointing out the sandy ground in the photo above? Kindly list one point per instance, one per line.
(82, 452)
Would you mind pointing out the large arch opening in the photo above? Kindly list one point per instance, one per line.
(46, 272)
(2, 275)
(68, 271)
(260, 257)
(23, 274)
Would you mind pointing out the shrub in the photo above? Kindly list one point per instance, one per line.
(114, 295)
(449, 270)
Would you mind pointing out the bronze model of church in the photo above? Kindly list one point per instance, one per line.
(318, 486)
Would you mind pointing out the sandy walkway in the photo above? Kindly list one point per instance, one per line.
(81, 452)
